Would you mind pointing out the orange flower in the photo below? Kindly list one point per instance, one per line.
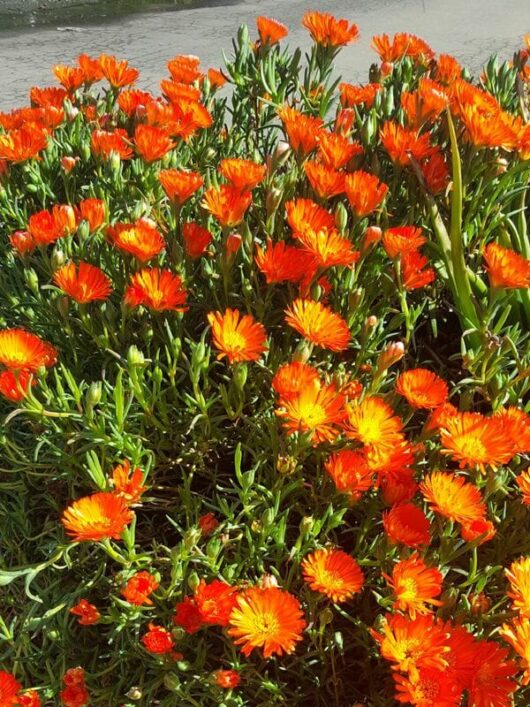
(29, 699)
(506, 268)
(238, 337)
(50, 96)
(523, 481)
(427, 688)
(152, 143)
(414, 274)
(303, 131)
(402, 44)
(128, 484)
(447, 69)
(207, 523)
(402, 239)
(415, 585)
(15, 385)
(159, 290)
(94, 212)
(267, 618)
(304, 214)
(83, 283)
(196, 239)
(425, 104)
(351, 95)
(350, 473)
(104, 143)
(422, 388)
(22, 351)
(227, 679)
(158, 640)
(216, 78)
(517, 426)
(333, 573)
(317, 410)
(91, 68)
(283, 263)
(97, 517)
(519, 577)
(139, 588)
(130, 101)
(517, 634)
(327, 31)
(402, 144)
(435, 172)
(117, 73)
(407, 524)
(140, 239)
(215, 601)
(335, 151)
(184, 68)
(70, 77)
(327, 248)
(373, 422)
(188, 616)
(398, 486)
(9, 689)
(493, 678)
(326, 182)
(227, 203)
(87, 612)
(179, 185)
(23, 144)
(484, 129)
(475, 441)
(318, 324)
(291, 378)
(479, 528)
(244, 175)
(75, 693)
(270, 31)
(453, 497)
(364, 191)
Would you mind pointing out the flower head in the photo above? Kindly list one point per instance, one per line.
(327, 31)
(493, 679)
(422, 388)
(196, 239)
(325, 181)
(364, 192)
(407, 524)
(97, 517)
(351, 95)
(402, 144)
(227, 203)
(88, 613)
(373, 422)
(403, 239)
(453, 497)
(184, 68)
(283, 263)
(291, 378)
(159, 290)
(316, 410)
(304, 214)
(334, 573)
(318, 324)
(242, 174)
(506, 268)
(83, 283)
(270, 31)
(9, 689)
(227, 679)
(428, 687)
(180, 185)
(415, 586)
(94, 212)
(414, 274)
(140, 239)
(104, 143)
(473, 440)
(139, 587)
(327, 248)
(23, 144)
(215, 601)
(188, 616)
(158, 640)
(22, 351)
(519, 578)
(401, 45)
(117, 73)
(236, 336)
(335, 150)
(303, 131)
(350, 473)
(152, 143)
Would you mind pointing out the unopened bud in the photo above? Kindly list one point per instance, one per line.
(57, 259)
(135, 694)
(233, 243)
(341, 217)
(268, 581)
(387, 67)
(272, 200)
(68, 163)
(32, 280)
(326, 616)
(135, 357)
(393, 353)
(371, 236)
(280, 155)
(94, 394)
(480, 604)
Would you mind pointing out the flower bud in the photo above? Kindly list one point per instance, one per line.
(135, 357)
(135, 693)
(393, 353)
(233, 243)
(272, 200)
(240, 376)
(371, 236)
(387, 67)
(63, 305)
(68, 163)
(115, 162)
(280, 155)
(480, 604)
(94, 394)
(341, 217)
(326, 616)
(268, 581)
(57, 259)
(32, 280)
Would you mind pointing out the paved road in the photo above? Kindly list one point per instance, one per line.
(470, 29)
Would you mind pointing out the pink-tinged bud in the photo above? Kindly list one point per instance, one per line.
(280, 155)
(344, 121)
(392, 354)
(68, 163)
(371, 236)
(22, 242)
(233, 243)
(70, 111)
(502, 166)
(268, 581)
(65, 218)
(387, 67)
(140, 111)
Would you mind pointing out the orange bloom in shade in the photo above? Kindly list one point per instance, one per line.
(270, 31)
(415, 585)
(373, 422)
(208, 523)
(326, 182)
(398, 486)
(505, 267)
(184, 68)
(435, 172)
(23, 242)
(15, 385)
(427, 688)
(267, 618)
(318, 324)
(94, 212)
(493, 679)
(303, 131)
(187, 616)
(447, 69)
(480, 528)
(117, 73)
(70, 77)
(23, 144)
(104, 143)
(351, 95)
(402, 44)
(335, 151)
(87, 612)
(364, 192)
(517, 634)
(422, 388)
(180, 185)
(227, 203)
(327, 248)
(475, 441)
(523, 481)
(350, 473)
(215, 601)
(158, 640)
(9, 689)
(244, 175)
(304, 214)
(29, 699)
(75, 693)
(333, 573)
(519, 578)
(283, 263)
(414, 274)
(453, 497)
(97, 517)
(159, 290)
(152, 143)
(402, 144)
(317, 410)
(139, 588)
(140, 239)
(196, 239)
(292, 378)
(402, 239)
(327, 31)
(130, 101)
(406, 524)
(128, 484)
(238, 337)
(83, 283)
(227, 679)
(22, 351)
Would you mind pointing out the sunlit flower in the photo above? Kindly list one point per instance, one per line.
(88, 613)
(303, 131)
(435, 172)
(326, 182)
(334, 573)
(428, 687)
(327, 31)
(291, 378)
(244, 175)
(83, 282)
(422, 388)
(15, 385)
(216, 78)
(517, 634)
(373, 422)
(453, 497)
(364, 192)
(318, 324)
(351, 95)
(141, 239)
(152, 143)
(415, 586)
(70, 77)
(283, 263)
(523, 481)
(196, 239)
(402, 239)
(227, 203)
(270, 31)
(335, 151)
(493, 679)
(506, 268)
(304, 214)
(180, 185)
(159, 290)
(480, 528)
(9, 688)
(97, 517)
(94, 212)
(117, 73)
(317, 410)
(227, 679)
(128, 483)
(23, 144)
(236, 336)
(131, 101)
(519, 577)
(350, 473)
(91, 68)
(517, 427)
(398, 486)
(328, 248)
(267, 618)
(407, 524)
(22, 242)
(139, 587)
(104, 143)
(402, 144)
(425, 104)
(447, 69)
(184, 68)
(187, 616)
(49, 96)
(158, 640)
(22, 351)
(215, 601)
(402, 44)
(414, 273)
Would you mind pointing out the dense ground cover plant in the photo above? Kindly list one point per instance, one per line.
(265, 374)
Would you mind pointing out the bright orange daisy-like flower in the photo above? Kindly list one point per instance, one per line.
(402, 144)
(303, 131)
(475, 441)
(159, 290)
(117, 73)
(506, 268)
(15, 385)
(270, 619)
(480, 529)
(284, 263)
(351, 95)
(335, 151)
(447, 69)
(291, 378)
(519, 578)
(140, 239)
(184, 68)
(427, 688)
(236, 336)
(523, 482)
(517, 634)
(406, 524)
(91, 68)
(23, 144)
(227, 679)
(334, 573)
(245, 175)
(104, 143)
(215, 601)
(425, 104)
(318, 324)
(70, 77)
(422, 388)
(94, 212)
(227, 203)
(9, 689)
(373, 422)
(493, 680)
(350, 473)
(176, 92)
(517, 426)
(328, 248)
(180, 185)
(326, 182)
(83, 283)
(414, 273)
(152, 143)
(88, 613)
(158, 640)
(317, 410)
(50, 96)
(415, 586)
(435, 172)
(364, 192)
(304, 214)
(128, 482)
(139, 588)
(270, 31)
(216, 78)
(402, 239)
(402, 44)
(29, 699)
(327, 31)
(196, 239)
(453, 497)
(98, 517)
(130, 101)
(22, 351)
